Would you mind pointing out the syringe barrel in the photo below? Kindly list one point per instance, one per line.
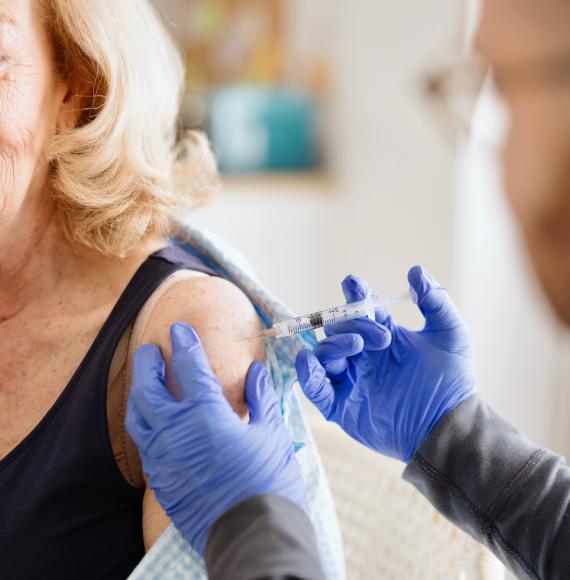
(324, 318)
(293, 326)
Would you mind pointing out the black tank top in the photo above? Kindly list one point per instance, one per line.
(65, 509)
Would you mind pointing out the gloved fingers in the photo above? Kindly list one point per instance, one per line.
(314, 382)
(334, 351)
(260, 396)
(375, 336)
(190, 363)
(434, 301)
(149, 391)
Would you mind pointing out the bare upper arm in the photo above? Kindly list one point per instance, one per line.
(221, 315)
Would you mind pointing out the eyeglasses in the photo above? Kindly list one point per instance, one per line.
(453, 90)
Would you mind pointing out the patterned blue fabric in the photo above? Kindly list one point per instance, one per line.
(171, 557)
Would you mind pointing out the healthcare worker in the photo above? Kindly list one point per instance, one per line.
(234, 490)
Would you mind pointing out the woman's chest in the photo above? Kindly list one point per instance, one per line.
(36, 364)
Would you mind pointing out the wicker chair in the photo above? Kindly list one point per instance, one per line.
(389, 529)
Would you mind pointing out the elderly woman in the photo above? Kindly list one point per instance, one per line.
(89, 95)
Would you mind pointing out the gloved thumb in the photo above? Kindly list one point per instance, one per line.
(434, 301)
(190, 363)
(314, 382)
(356, 289)
(260, 396)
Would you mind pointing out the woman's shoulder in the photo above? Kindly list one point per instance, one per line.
(221, 314)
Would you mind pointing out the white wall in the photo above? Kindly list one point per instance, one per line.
(393, 203)
(397, 173)
(282, 227)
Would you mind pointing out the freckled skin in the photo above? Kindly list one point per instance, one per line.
(51, 354)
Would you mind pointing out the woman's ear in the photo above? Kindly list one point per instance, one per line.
(76, 101)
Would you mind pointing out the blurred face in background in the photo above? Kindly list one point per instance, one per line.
(528, 44)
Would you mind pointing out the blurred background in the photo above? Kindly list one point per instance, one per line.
(333, 164)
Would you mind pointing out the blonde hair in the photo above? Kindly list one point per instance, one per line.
(120, 173)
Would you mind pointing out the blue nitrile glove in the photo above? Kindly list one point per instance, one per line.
(386, 386)
(200, 457)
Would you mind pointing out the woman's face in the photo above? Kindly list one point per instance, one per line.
(32, 106)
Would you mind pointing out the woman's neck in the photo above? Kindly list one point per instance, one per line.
(27, 248)
(38, 267)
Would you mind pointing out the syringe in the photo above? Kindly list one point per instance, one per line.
(361, 309)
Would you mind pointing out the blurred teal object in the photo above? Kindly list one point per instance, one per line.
(255, 129)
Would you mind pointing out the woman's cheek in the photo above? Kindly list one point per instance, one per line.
(13, 105)
(16, 144)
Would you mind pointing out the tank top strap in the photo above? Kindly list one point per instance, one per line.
(150, 275)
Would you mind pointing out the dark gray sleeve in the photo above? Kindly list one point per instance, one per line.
(263, 538)
(486, 477)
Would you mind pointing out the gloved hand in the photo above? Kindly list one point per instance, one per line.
(386, 386)
(200, 458)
